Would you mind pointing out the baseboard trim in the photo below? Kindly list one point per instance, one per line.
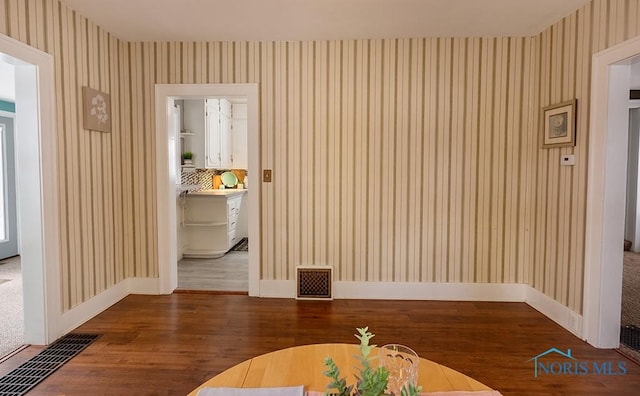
(78, 315)
(561, 314)
(494, 292)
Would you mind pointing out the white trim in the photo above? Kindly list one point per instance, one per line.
(555, 311)
(36, 150)
(102, 301)
(494, 292)
(606, 193)
(166, 178)
(78, 315)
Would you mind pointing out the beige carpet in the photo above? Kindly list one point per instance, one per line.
(631, 290)
(630, 299)
(11, 325)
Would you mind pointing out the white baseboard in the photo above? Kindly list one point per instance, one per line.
(561, 314)
(494, 292)
(430, 291)
(76, 316)
(92, 307)
(498, 292)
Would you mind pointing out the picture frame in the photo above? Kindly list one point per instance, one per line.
(559, 125)
(97, 110)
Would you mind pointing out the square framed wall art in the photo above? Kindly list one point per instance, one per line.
(559, 125)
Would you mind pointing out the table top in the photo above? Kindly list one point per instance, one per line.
(304, 365)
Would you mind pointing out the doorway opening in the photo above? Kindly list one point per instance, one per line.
(606, 192)
(212, 228)
(11, 290)
(37, 208)
(169, 162)
(630, 307)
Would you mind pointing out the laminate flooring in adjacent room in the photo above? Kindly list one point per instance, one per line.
(227, 273)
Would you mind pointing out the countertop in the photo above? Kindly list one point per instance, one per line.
(226, 192)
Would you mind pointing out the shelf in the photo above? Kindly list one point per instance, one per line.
(187, 134)
(191, 223)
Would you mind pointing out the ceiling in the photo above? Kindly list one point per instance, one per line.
(229, 20)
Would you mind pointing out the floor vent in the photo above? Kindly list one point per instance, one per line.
(314, 283)
(630, 336)
(26, 376)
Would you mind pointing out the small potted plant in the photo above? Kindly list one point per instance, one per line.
(187, 157)
(370, 381)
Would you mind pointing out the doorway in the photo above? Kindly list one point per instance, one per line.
(11, 290)
(168, 179)
(630, 307)
(37, 207)
(604, 239)
(212, 229)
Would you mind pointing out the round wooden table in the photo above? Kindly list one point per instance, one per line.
(304, 365)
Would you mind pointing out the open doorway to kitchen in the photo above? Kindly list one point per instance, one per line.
(212, 211)
(171, 196)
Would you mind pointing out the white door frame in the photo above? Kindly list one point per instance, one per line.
(606, 193)
(37, 190)
(167, 179)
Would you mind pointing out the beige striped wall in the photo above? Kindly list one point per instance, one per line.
(106, 232)
(394, 160)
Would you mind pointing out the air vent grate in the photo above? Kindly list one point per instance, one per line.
(26, 376)
(314, 283)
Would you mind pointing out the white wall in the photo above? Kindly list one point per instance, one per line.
(194, 121)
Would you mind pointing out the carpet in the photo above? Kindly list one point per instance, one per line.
(631, 290)
(11, 326)
(242, 246)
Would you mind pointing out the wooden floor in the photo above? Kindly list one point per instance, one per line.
(168, 345)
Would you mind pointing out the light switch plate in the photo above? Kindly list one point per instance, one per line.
(266, 175)
(568, 159)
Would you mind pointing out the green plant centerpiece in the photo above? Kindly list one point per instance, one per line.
(187, 155)
(369, 381)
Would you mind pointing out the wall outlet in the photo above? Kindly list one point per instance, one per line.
(266, 175)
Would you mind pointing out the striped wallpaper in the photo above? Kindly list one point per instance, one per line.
(407, 160)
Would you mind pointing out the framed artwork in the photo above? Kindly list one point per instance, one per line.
(559, 125)
(97, 110)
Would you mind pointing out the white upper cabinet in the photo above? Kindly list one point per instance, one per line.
(213, 158)
(226, 134)
(226, 142)
(239, 136)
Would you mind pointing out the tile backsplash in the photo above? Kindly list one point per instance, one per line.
(202, 177)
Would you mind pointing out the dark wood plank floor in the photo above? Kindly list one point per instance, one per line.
(168, 345)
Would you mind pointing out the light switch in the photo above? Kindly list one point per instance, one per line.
(266, 175)
(568, 159)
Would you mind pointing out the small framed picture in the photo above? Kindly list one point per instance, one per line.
(97, 110)
(559, 125)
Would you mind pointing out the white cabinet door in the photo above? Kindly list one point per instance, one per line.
(226, 143)
(212, 140)
(239, 136)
